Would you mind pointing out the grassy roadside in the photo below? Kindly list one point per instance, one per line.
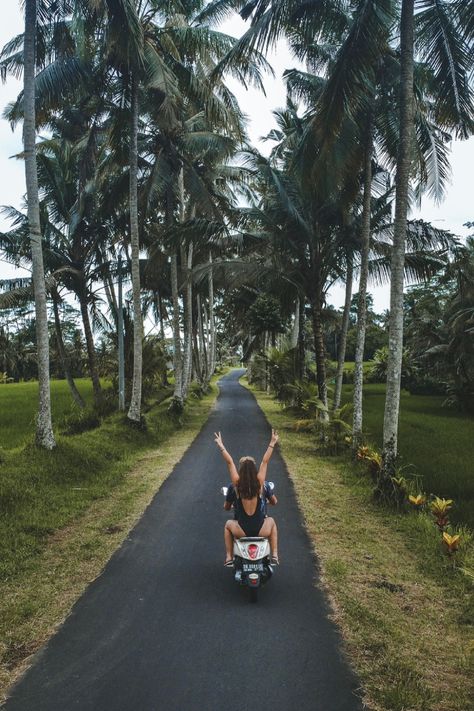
(122, 470)
(22, 400)
(436, 441)
(407, 621)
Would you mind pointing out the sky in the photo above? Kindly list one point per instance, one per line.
(451, 214)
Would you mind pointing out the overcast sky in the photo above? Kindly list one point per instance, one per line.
(457, 208)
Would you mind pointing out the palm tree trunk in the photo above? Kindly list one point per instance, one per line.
(344, 329)
(76, 395)
(202, 351)
(110, 294)
(120, 341)
(44, 428)
(362, 301)
(162, 332)
(134, 412)
(188, 322)
(177, 358)
(90, 350)
(160, 316)
(395, 343)
(296, 325)
(212, 326)
(319, 349)
(301, 339)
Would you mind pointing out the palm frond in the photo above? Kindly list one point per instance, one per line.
(440, 44)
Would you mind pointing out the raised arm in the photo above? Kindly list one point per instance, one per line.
(262, 472)
(229, 461)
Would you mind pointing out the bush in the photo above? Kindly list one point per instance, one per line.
(348, 376)
(79, 421)
(301, 396)
(257, 372)
(378, 370)
(273, 369)
(425, 385)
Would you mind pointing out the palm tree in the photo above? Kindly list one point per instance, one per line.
(442, 46)
(392, 401)
(134, 412)
(305, 231)
(360, 81)
(44, 429)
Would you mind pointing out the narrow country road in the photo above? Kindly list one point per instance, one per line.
(164, 628)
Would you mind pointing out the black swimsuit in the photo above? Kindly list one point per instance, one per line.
(250, 525)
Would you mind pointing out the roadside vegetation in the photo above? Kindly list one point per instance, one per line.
(405, 614)
(18, 404)
(436, 443)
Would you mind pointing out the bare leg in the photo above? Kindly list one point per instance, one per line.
(232, 530)
(269, 530)
(228, 541)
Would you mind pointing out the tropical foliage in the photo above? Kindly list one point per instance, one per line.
(145, 177)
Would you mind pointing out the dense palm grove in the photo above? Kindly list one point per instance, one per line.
(144, 175)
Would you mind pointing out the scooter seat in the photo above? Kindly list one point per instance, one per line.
(248, 539)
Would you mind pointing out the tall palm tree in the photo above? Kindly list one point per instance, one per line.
(394, 364)
(134, 412)
(44, 429)
(442, 46)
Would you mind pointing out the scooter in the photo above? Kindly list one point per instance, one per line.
(252, 565)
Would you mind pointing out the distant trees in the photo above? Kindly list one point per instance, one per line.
(439, 328)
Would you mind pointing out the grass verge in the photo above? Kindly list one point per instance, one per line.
(406, 619)
(19, 403)
(79, 504)
(436, 441)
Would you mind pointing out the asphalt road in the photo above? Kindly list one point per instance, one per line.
(165, 628)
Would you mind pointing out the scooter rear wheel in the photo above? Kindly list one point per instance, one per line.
(253, 594)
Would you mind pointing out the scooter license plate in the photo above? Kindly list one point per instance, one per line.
(253, 567)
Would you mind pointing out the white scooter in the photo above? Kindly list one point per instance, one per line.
(252, 566)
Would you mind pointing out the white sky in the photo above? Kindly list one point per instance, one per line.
(457, 208)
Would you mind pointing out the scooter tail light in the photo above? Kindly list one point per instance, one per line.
(252, 550)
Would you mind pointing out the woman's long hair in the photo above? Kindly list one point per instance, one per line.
(248, 486)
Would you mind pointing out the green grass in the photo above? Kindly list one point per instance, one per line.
(41, 491)
(437, 441)
(349, 365)
(19, 402)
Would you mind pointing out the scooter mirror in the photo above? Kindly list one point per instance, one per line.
(224, 490)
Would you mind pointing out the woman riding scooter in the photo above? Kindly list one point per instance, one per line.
(250, 504)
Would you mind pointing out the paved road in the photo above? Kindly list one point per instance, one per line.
(164, 628)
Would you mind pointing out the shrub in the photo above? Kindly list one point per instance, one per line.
(302, 397)
(348, 376)
(257, 371)
(377, 373)
(372, 458)
(439, 508)
(79, 421)
(422, 384)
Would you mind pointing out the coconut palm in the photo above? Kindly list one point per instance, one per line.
(441, 45)
(44, 429)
